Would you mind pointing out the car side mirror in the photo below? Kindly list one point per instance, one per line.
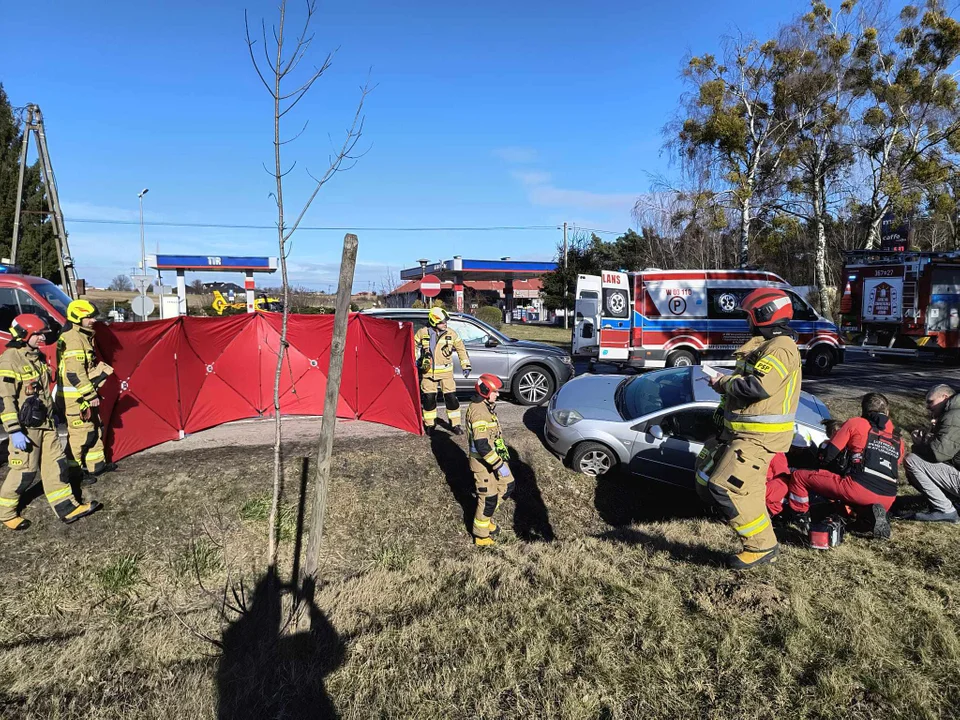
(657, 432)
(492, 342)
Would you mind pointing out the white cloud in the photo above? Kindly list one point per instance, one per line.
(517, 155)
(541, 191)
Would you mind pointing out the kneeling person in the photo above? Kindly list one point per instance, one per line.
(26, 411)
(870, 477)
(488, 458)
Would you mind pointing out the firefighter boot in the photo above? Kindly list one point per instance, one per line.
(17, 523)
(881, 525)
(484, 542)
(82, 511)
(750, 559)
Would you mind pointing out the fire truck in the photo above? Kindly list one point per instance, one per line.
(902, 303)
(674, 318)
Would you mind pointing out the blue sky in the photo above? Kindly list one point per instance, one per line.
(495, 113)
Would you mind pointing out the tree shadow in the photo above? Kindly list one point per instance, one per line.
(622, 498)
(266, 672)
(684, 552)
(456, 470)
(531, 519)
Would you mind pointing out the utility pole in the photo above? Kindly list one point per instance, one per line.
(566, 281)
(34, 124)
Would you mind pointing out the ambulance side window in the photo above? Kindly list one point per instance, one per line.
(9, 308)
(724, 303)
(801, 311)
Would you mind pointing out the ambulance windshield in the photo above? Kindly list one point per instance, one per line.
(645, 394)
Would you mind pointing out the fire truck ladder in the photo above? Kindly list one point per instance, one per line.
(34, 124)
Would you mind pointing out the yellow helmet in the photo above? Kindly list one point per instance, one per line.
(437, 315)
(80, 309)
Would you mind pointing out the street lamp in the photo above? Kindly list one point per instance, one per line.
(143, 247)
(423, 271)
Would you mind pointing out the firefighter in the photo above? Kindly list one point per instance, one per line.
(436, 345)
(81, 374)
(759, 404)
(27, 414)
(488, 458)
(868, 477)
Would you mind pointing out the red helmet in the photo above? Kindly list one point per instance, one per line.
(27, 325)
(487, 383)
(768, 306)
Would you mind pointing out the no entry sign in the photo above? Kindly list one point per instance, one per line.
(430, 285)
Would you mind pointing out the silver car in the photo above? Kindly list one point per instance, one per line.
(530, 371)
(653, 425)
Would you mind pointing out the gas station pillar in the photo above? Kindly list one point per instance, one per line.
(458, 282)
(181, 292)
(508, 301)
(249, 285)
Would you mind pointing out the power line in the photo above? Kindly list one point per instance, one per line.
(228, 226)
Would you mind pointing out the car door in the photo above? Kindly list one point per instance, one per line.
(672, 457)
(487, 355)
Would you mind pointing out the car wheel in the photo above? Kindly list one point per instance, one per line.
(593, 459)
(681, 358)
(820, 361)
(533, 386)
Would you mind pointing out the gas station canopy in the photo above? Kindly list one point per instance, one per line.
(458, 270)
(213, 263)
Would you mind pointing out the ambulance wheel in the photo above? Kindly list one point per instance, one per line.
(820, 361)
(681, 358)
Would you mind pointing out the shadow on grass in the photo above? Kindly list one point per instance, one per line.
(266, 671)
(622, 499)
(456, 470)
(684, 552)
(531, 519)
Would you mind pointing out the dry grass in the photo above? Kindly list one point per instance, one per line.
(603, 600)
(541, 333)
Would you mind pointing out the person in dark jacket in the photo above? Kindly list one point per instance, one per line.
(932, 466)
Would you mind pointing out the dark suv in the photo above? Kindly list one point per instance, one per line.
(531, 372)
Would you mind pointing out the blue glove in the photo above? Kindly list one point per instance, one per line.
(20, 441)
(503, 471)
(466, 372)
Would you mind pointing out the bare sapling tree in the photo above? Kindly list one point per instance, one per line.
(277, 71)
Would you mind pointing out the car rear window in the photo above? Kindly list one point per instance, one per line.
(645, 394)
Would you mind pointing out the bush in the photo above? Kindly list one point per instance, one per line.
(418, 304)
(438, 303)
(354, 307)
(490, 315)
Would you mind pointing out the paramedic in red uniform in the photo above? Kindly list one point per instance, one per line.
(870, 478)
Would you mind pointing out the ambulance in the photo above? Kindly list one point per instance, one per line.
(903, 304)
(675, 318)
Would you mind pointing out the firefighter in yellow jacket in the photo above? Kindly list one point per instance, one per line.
(81, 373)
(488, 458)
(759, 406)
(27, 414)
(436, 345)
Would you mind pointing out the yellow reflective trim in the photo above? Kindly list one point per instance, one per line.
(6, 417)
(429, 414)
(82, 354)
(481, 523)
(8, 502)
(480, 425)
(791, 388)
(754, 527)
(10, 374)
(95, 456)
(84, 389)
(769, 362)
(491, 457)
(760, 427)
(59, 494)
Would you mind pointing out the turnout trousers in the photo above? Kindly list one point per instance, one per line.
(832, 487)
(430, 384)
(491, 488)
(85, 443)
(733, 476)
(44, 456)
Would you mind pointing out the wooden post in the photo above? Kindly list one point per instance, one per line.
(334, 374)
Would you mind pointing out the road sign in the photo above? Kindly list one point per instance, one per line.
(141, 282)
(430, 285)
(142, 305)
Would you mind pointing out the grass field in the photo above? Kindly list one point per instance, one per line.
(541, 333)
(604, 599)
